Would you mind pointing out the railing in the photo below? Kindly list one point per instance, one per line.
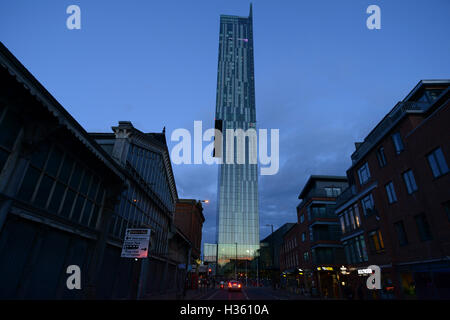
(329, 213)
(346, 195)
(317, 193)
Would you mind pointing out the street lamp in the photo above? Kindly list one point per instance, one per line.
(205, 201)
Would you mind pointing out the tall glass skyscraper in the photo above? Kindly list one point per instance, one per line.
(237, 210)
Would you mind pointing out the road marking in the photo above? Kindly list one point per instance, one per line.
(245, 294)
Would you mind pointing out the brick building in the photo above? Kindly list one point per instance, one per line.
(312, 249)
(395, 214)
(189, 220)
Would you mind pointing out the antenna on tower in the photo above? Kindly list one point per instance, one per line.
(251, 10)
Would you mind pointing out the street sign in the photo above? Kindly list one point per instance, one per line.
(136, 243)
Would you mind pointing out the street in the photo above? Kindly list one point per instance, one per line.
(250, 293)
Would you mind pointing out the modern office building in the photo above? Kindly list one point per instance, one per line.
(237, 211)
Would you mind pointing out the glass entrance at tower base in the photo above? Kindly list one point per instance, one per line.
(232, 259)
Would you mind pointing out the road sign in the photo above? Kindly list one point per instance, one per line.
(136, 243)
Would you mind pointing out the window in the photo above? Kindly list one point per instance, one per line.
(352, 218)
(355, 249)
(342, 223)
(53, 182)
(368, 205)
(401, 233)
(381, 157)
(303, 236)
(437, 163)
(306, 256)
(376, 241)
(357, 217)
(332, 192)
(302, 218)
(318, 211)
(423, 227)
(347, 220)
(364, 173)
(410, 182)
(398, 143)
(390, 191)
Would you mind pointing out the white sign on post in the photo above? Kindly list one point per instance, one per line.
(136, 243)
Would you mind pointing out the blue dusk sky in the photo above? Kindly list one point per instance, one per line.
(322, 77)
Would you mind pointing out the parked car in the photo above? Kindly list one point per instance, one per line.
(234, 285)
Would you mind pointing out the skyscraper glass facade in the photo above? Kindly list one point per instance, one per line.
(237, 219)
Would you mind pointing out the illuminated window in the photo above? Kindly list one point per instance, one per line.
(376, 241)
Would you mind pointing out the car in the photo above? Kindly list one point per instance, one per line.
(234, 285)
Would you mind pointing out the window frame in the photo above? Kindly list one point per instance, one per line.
(438, 164)
(410, 181)
(390, 192)
(364, 169)
(382, 162)
(397, 140)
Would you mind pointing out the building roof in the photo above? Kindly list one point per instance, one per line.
(195, 202)
(393, 117)
(281, 231)
(314, 178)
(36, 89)
(157, 140)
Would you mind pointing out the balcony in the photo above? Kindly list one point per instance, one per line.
(327, 212)
(317, 193)
(346, 195)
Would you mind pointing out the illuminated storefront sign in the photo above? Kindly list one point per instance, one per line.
(365, 271)
(325, 269)
(344, 270)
